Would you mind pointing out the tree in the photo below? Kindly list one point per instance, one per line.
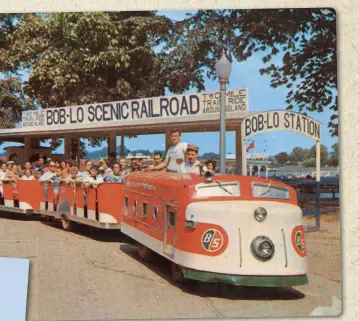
(323, 154)
(79, 58)
(305, 37)
(334, 155)
(282, 158)
(12, 101)
(297, 155)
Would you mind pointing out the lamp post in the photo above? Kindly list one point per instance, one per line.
(223, 70)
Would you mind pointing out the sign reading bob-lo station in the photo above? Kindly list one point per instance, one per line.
(121, 112)
(280, 120)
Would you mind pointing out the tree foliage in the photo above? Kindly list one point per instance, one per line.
(79, 58)
(12, 101)
(282, 158)
(305, 37)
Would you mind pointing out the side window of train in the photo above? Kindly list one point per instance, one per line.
(126, 201)
(134, 208)
(171, 218)
(144, 208)
(155, 213)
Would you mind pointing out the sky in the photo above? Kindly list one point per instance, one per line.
(261, 97)
(14, 275)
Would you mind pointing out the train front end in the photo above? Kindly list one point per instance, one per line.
(243, 231)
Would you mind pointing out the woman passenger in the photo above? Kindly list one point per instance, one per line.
(2, 176)
(14, 177)
(211, 165)
(83, 175)
(65, 168)
(27, 175)
(116, 176)
(123, 167)
(37, 173)
(105, 164)
(73, 174)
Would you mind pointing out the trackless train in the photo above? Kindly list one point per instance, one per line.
(238, 230)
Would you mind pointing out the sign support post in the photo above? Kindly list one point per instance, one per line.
(317, 178)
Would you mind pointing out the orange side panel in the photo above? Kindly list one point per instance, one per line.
(67, 192)
(110, 197)
(91, 199)
(8, 191)
(80, 198)
(50, 193)
(31, 192)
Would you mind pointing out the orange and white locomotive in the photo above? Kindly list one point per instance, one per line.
(233, 229)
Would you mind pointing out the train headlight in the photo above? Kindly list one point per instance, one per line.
(262, 248)
(260, 214)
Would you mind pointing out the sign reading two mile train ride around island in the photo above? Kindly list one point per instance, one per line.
(137, 110)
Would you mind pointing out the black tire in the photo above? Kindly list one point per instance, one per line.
(177, 274)
(67, 225)
(144, 252)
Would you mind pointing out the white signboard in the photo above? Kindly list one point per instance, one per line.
(280, 120)
(257, 156)
(123, 112)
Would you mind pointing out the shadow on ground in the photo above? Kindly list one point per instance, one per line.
(162, 267)
(94, 233)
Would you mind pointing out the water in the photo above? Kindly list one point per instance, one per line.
(328, 195)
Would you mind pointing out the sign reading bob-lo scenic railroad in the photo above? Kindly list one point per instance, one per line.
(280, 120)
(178, 106)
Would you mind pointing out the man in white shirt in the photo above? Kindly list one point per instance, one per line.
(193, 165)
(176, 155)
(47, 175)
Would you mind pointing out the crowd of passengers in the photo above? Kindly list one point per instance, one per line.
(181, 157)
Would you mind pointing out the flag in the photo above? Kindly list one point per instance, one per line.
(251, 146)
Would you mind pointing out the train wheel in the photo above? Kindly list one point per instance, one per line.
(66, 223)
(177, 274)
(144, 252)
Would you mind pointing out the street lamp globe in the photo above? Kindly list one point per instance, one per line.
(223, 67)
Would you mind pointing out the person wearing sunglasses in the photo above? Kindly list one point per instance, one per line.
(50, 173)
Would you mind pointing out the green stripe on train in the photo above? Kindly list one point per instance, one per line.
(245, 280)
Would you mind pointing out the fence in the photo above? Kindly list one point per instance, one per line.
(309, 193)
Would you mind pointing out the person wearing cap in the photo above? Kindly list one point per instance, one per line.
(193, 165)
(9, 166)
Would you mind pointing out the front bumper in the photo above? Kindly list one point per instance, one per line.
(246, 280)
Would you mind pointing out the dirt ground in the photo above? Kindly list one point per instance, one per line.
(92, 274)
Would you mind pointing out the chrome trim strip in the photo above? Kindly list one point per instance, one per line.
(285, 249)
(240, 247)
(155, 197)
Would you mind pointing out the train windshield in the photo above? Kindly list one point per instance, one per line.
(270, 191)
(218, 189)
